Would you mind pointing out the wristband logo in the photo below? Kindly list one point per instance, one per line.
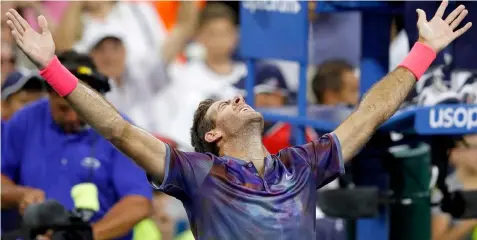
(449, 117)
(287, 7)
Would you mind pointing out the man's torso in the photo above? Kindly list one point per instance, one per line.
(279, 205)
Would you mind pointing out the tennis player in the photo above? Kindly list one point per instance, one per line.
(232, 188)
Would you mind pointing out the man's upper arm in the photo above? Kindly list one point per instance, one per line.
(128, 178)
(146, 150)
(324, 157)
(354, 132)
(185, 172)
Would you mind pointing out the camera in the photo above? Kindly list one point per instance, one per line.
(51, 217)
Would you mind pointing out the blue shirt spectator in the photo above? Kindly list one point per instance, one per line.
(47, 147)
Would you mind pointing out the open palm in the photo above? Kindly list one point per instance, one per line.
(439, 32)
(39, 47)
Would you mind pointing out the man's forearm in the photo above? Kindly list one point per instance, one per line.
(459, 231)
(378, 105)
(146, 150)
(384, 98)
(96, 111)
(122, 217)
(11, 193)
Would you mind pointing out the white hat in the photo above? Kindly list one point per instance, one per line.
(96, 32)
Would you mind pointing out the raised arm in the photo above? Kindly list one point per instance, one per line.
(385, 97)
(146, 150)
(182, 31)
(70, 28)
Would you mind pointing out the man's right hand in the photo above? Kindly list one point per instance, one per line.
(31, 196)
(38, 47)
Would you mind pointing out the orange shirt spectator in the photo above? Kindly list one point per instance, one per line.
(168, 11)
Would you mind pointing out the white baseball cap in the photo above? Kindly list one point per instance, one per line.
(96, 32)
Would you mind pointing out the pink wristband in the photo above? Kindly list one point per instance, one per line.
(419, 59)
(59, 78)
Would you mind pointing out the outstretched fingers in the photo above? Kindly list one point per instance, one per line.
(441, 9)
(461, 30)
(453, 15)
(20, 19)
(14, 23)
(18, 38)
(459, 19)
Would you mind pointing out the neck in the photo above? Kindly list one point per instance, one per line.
(248, 146)
(220, 65)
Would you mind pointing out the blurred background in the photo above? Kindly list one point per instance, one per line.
(156, 60)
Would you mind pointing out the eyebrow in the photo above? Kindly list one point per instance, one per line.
(226, 102)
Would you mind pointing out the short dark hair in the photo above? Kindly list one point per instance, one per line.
(329, 77)
(214, 11)
(201, 125)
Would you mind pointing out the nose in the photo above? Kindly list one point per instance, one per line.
(238, 100)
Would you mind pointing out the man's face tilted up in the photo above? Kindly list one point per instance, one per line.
(231, 119)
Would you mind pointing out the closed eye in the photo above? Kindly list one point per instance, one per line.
(223, 105)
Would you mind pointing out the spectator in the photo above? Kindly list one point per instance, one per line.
(464, 159)
(334, 35)
(120, 37)
(164, 220)
(271, 91)
(336, 83)
(168, 10)
(19, 89)
(47, 150)
(217, 71)
(212, 77)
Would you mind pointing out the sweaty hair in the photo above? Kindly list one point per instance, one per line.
(214, 11)
(328, 77)
(200, 127)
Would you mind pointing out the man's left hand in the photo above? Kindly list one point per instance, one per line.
(439, 32)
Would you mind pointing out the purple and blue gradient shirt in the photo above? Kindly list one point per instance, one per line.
(225, 198)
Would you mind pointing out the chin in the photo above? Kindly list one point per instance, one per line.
(255, 117)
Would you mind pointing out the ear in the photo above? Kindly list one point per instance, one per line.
(213, 136)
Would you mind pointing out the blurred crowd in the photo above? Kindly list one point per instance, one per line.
(155, 61)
